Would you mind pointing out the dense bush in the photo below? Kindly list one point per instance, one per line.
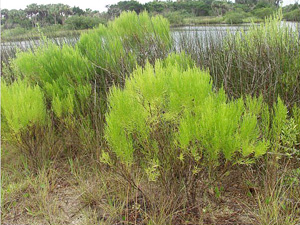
(170, 123)
(82, 22)
(22, 106)
(24, 123)
(166, 113)
(292, 15)
(12, 32)
(234, 18)
(263, 12)
(62, 73)
(127, 41)
(175, 18)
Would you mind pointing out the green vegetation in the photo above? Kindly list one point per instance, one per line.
(59, 19)
(234, 18)
(65, 81)
(54, 20)
(292, 15)
(127, 41)
(179, 107)
(262, 60)
(23, 106)
(124, 127)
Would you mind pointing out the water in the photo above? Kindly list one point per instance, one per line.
(9, 49)
(206, 34)
(203, 33)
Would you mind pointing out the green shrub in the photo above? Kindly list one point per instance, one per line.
(129, 40)
(204, 20)
(263, 12)
(292, 16)
(26, 125)
(82, 22)
(6, 33)
(175, 18)
(49, 29)
(166, 113)
(62, 73)
(22, 106)
(234, 18)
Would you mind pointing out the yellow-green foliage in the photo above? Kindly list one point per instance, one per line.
(63, 74)
(168, 107)
(277, 127)
(269, 34)
(22, 106)
(128, 40)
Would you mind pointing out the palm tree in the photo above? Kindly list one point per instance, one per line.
(4, 14)
(32, 11)
(54, 11)
(64, 12)
(43, 13)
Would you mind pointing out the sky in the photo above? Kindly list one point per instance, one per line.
(83, 4)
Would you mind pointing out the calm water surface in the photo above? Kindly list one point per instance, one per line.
(213, 32)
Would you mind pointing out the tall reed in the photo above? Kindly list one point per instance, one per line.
(263, 59)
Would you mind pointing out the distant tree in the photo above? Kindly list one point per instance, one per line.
(272, 2)
(43, 13)
(247, 2)
(116, 9)
(155, 6)
(4, 14)
(220, 7)
(82, 22)
(54, 12)
(32, 11)
(64, 12)
(77, 11)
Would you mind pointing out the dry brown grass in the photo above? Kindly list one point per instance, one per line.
(76, 192)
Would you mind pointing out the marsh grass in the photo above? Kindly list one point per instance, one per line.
(279, 205)
(262, 59)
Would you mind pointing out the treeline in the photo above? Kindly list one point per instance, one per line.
(51, 14)
(177, 12)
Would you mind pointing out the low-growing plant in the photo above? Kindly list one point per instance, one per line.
(169, 120)
(25, 123)
(235, 17)
(22, 106)
(63, 74)
(175, 18)
(66, 79)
